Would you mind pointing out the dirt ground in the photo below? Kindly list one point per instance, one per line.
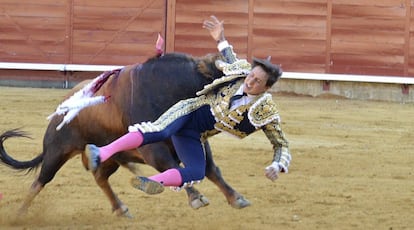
(352, 168)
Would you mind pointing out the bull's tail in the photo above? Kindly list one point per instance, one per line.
(7, 160)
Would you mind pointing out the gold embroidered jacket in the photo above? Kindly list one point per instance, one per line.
(260, 113)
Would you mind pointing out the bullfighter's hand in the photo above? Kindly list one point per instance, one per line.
(272, 171)
(215, 27)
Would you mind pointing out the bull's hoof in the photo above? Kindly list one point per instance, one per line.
(22, 212)
(240, 203)
(199, 202)
(123, 212)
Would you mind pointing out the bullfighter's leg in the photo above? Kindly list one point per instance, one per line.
(162, 156)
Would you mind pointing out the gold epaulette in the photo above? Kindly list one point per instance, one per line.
(240, 66)
(263, 111)
(217, 82)
(238, 69)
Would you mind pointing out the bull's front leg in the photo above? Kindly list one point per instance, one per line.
(235, 199)
(102, 175)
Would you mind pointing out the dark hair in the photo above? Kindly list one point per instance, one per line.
(273, 71)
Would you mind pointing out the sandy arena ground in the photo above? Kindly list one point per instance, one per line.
(352, 168)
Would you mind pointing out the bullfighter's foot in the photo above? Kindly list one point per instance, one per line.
(92, 153)
(147, 185)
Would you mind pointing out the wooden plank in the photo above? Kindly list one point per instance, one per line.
(290, 1)
(114, 13)
(410, 42)
(373, 70)
(410, 71)
(369, 60)
(289, 32)
(126, 49)
(170, 27)
(376, 3)
(362, 48)
(142, 22)
(190, 25)
(411, 48)
(303, 67)
(250, 29)
(34, 10)
(291, 7)
(110, 59)
(37, 35)
(45, 22)
(198, 51)
(15, 48)
(272, 20)
(293, 45)
(197, 17)
(9, 56)
(26, 75)
(385, 24)
(117, 4)
(342, 10)
(328, 57)
(294, 61)
(147, 37)
(197, 41)
(283, 57)
(366, 64)
(231, 31)
(30, 2)
(215, 6)
(69, 31)
(367, 36)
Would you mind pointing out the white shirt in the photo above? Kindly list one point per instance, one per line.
(242, 101)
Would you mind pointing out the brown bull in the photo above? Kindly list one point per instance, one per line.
(137, 93)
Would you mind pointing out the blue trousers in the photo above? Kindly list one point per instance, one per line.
(185, 133)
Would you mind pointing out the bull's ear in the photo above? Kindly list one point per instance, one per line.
(220, 64)
(203, 68)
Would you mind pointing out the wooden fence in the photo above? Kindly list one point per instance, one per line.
(370, 37)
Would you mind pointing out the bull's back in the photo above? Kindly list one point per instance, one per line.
(104, 122)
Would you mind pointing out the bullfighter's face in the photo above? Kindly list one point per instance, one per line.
(255, 82)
